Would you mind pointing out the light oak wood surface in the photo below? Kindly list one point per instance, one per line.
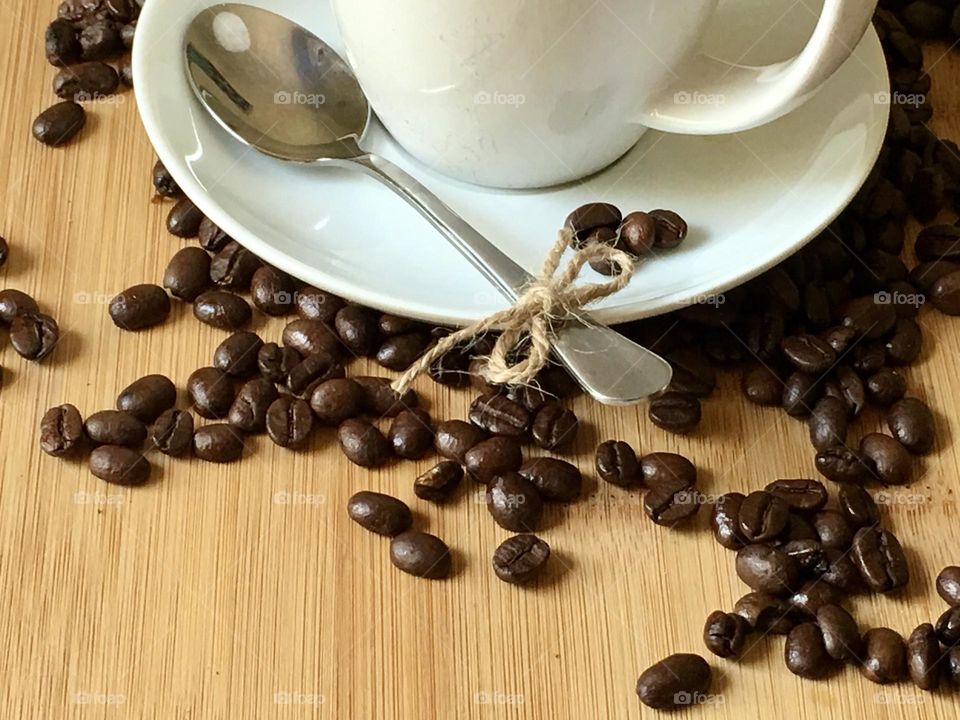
(244, 591)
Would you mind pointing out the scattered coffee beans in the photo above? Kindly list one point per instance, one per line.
(520, 559)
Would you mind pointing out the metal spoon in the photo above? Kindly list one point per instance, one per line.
(280, 89)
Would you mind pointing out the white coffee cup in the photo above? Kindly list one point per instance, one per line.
(531, 93)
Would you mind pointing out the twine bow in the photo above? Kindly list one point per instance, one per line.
(548, 299)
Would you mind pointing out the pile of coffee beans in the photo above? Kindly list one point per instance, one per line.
(79, 42)
(33, 334)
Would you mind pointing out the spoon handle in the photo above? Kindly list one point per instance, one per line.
(611, 368)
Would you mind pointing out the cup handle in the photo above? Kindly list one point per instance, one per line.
(711, 97)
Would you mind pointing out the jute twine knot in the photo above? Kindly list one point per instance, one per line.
(547, 300)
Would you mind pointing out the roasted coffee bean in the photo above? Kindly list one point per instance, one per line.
(172, 433)
(233, 267)
(272, 291)
(725, 521)
(532, 397)
(147, 397)
(248, 412)
(798, 528)
(924, 275)
(421, 554)
(814, 594)
(879, 558)
(139, 307)
(951, 662)
(886, 386)
(520, 559)
(800, 393)
(163, 181)
(211, 237)
(923, 657)
(125, 70)
(61, 431)
(289, 421)
(452, 368)
(411, 434)
(945, 294)
(59, 124)
(843, 465)
(938, 242)
(393, 325)
(869, 318)
(304, 377)
(725, 634)
(948, 627)
(904, 346)
(127, 33)
(888, 457)
(381, 400)
(675, 412)
(363, 444)
(237, 355)
(766, 613)
(491, 458)
(671, 228)
(676, 681)
(217, 443)
(14, 303)
(336, 400)
(379, 513)
(948, 584)
(400, 351)
(358, 329)
(858, 506)
(554, 427)
(61, 43)
(556, 480)
(275, 362)
(222, 310)
(184, 219)
(847, 386)
(841, 635)
(119, 465)
(100, 39)
(800, 494)
(638, 233)
(86, 81)
(885, 656)
(762, 386)
(833, 530)
(808, 553)
(841, 572)
(617, 463)
(605, 236)
(767, 569)
(113, 427)
(211, 392)
(439, 482)
(828, 423)
(840, 339)
(188, 273)
(455, 437)
(309, 337)
(587, 218)
(34, 335)
(692, 374)
(805, 654)
(764, 333)
(668, 506)
(316, 304)
(667, 471)
(809, 353)
(763, 516)
(911, 422)
(498, 415)
(514, 502)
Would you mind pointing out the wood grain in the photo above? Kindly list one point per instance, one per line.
(245, 592)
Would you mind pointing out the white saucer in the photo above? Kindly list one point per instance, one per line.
(751, 199)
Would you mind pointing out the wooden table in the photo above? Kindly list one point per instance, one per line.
(245, 591)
